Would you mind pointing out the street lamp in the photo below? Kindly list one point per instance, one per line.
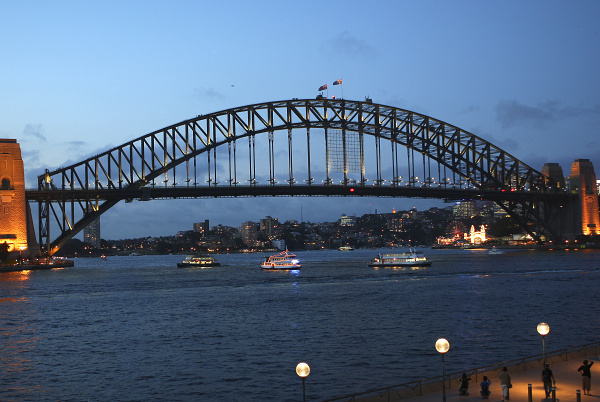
(21, 248)
(543, 330)
(303, 370)
(442, 346)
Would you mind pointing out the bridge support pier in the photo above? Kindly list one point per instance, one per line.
(16, 225)
(586, 216)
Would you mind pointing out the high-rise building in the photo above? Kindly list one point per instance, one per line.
(249, 233)
(464, 209)
(202, 227)
(268, 226)
(91, 233)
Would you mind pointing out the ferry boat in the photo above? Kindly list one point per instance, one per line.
(198, 261)
(282, 261)
(412, 258)
(346, 248)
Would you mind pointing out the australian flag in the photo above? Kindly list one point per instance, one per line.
(323, 87)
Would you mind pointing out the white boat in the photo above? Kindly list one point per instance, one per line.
(284, 260)
(411, 258)
(346, 248)
(198, 261)
(495, 250)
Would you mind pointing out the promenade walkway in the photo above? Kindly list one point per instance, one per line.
(523, 372)
(568, 381)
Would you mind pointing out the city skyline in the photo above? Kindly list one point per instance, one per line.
(82, 78)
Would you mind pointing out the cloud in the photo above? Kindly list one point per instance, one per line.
(209, 94)
(345, 43)
(34, 130)
(511, 113)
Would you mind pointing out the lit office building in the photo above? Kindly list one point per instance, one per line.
(91, 233)
(346, 220)
(464, 209)
(249, 233)
(268, 226)
(202, 227)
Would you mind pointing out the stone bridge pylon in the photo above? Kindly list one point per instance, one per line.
(16, 225)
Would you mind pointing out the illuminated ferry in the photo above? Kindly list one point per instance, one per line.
(412, 258)
(346, 248)
(198, 261)
(282, 261)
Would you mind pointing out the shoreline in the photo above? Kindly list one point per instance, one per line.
(37, 267)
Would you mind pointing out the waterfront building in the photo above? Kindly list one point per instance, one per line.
(476, 236)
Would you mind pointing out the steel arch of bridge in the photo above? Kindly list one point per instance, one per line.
(74, 196)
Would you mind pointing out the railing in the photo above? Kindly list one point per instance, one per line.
(434, 384)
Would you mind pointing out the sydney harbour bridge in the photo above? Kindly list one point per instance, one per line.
(302, 147)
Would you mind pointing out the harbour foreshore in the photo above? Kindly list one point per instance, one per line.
(36, 266)
(523, 372)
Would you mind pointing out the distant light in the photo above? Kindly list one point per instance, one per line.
(351, 190)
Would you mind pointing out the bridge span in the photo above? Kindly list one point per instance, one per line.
(303, 147)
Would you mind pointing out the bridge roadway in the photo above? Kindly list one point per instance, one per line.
(160, 192)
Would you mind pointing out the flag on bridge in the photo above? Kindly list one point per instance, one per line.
(338, 82)
(323, 87)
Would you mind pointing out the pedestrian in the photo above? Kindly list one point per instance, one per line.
(485, 388)
(505, 383)
(463, 388)
(548, 380)
(586, 376)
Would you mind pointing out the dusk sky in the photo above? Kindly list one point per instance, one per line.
(78, 78)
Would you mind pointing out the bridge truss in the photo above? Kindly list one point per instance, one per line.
(278, 148)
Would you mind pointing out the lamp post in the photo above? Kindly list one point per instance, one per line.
(303, 370)
(21, 248)
(442, 346)
(543, 330)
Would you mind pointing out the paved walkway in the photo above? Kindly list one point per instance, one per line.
(568, 381)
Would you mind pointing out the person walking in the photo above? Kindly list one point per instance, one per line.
(548, 380)
(586, 376)
(505, 383)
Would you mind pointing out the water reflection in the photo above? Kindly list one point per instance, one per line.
(18, 335)
(15, 276)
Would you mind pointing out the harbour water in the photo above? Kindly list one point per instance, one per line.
(141, 329)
